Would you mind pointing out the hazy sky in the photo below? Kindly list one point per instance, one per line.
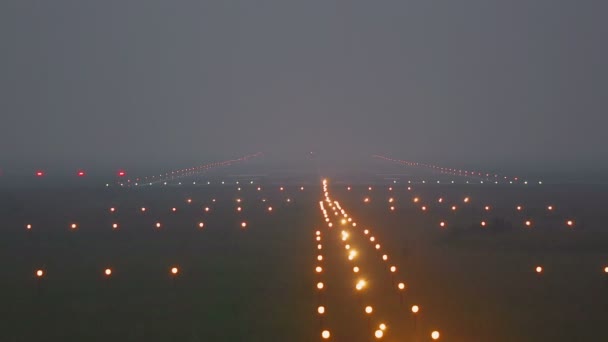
(468, 82)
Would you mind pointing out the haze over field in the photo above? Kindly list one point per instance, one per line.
(469, 83)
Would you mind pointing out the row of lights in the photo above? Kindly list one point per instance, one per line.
(361, 283)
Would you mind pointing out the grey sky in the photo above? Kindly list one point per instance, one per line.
(466, 82)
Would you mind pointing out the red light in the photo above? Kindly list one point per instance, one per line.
(80, 173)
(121, 173)
(39, 173)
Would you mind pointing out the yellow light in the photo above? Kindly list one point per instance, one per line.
(415, 309)
(319, 269)
(321, 310)
(385, 257)
(416, 199)
(325, 334)
(379, 333)
(320, 285)
(319, 257)
(382, 326)
(435, 335)
(356, 269)
(393, 269)
(401, 286)
(366, 232)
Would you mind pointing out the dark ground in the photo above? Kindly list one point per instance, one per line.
(258, 283)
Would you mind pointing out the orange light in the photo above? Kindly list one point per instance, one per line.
(320, 285)
(325, 334)
(435, 335)
(415, 309)
(401, 286)
(321, 310)
(108, 272)
(318, 269)
(539, 269)
(369, 309)
(379, 333)
(39, 273)
(393, 269)
(174, 270)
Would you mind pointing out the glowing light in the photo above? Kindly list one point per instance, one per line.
(466, 200)
(369, 309)
(528, 223)
(393, 269)
(519, 208)
(321, 310)
(356, 269)
(379, 333)
(483, 223)
(157, 224)
(28, 227)
(453, 208)
(112, 209)
(325, 334)
(108, 272)
(320, 285)
(174, 209)
(269, 208)
(401, 286)
(174, 270)
(115, 226)
(435, 335)
(201, 224)
(415, 309)
(243, 224)
(442, 224)
(143, 209)
(320, 257)
(360, 285)
(39, 173)
(550, 207)
(39, 273)
(318, 269)
(539, 269)
(73, 226)
(487, 208)
(80, 173)
(385, 257)
(416, 199)
(382, 326)
(121, 173)
(570, 223)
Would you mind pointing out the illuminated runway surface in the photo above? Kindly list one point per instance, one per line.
(258, 260)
